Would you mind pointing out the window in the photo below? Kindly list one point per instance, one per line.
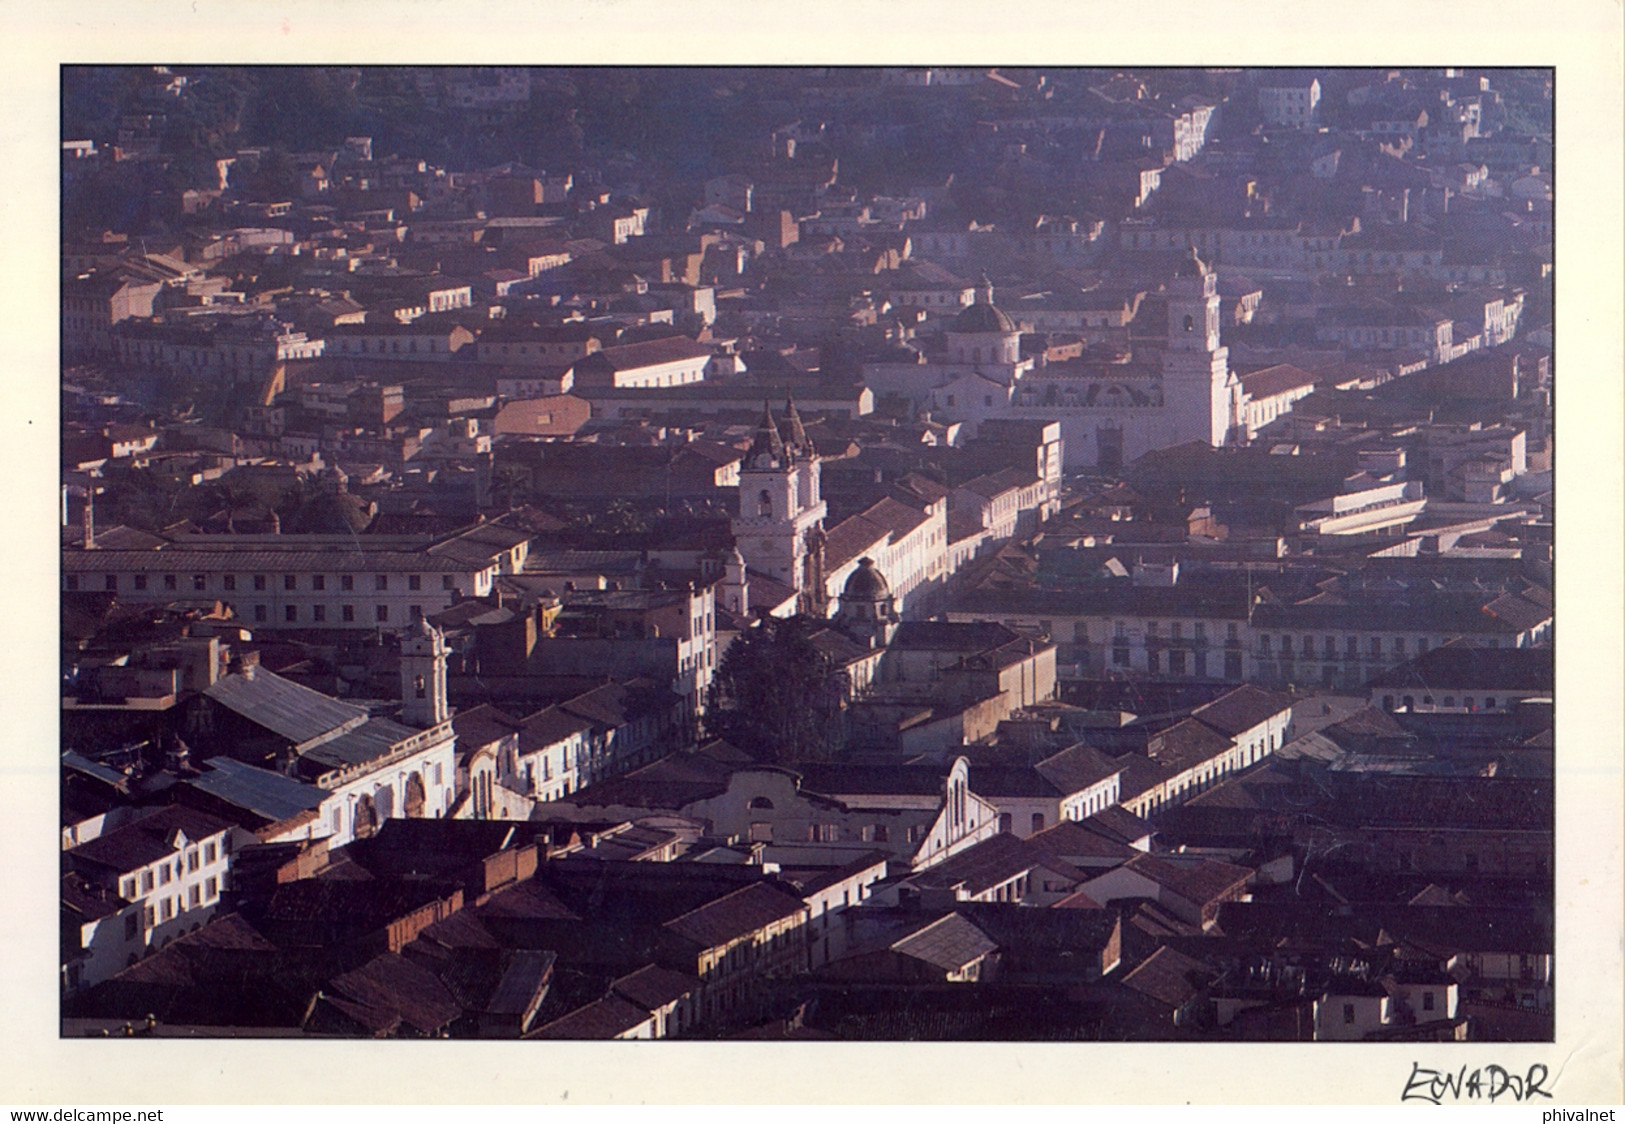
(414, 582)
(290, 581)
(166, 909)
(191, 860)
(112, 583)
(380, 581)
(169, 581)
(72, 582)
(150, 916)
(347, 613)
(318, 582)
(199, 583)
(132, 926)
(346, 582)
(290, 613)
(259, 583)
(448, 582)
(415, 610)
(208, 852)
(1348, 1012)
(141, 581)
(230, 582)
(211, 886)
(1427, 1001)
(318, 613)
(382, 613)
(163, 875)
(194, 897)
(260, 613)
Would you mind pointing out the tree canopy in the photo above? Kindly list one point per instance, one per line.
(777, 696)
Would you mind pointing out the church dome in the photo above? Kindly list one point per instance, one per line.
(1191, 265)
(867, 583)
(981, 319)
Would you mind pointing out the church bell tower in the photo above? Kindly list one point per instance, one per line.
(1197, 383)
(423, 676)
(780, 507)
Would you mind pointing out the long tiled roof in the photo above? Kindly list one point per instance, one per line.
(338, 559)
(1078, 767)
(652, 987)
(983, 866)
(1169, 977)
(1240, 710)
(735, 915)
(1464, 667)
(147, 840)
(609, 1017)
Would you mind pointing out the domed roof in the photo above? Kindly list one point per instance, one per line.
(982, 318)
(333, 513)
(1191, 265)
(867, 583)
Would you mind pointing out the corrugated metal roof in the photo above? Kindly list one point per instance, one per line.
(260, 791)
(81, 764)
(282, 706)
(520, 988)
(950, 943)
(367, 742)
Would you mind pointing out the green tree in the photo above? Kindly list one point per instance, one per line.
(777, 696)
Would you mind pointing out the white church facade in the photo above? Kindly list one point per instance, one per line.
(1176, 387)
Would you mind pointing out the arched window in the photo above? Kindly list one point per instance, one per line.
(417, 685)
(764, 503)
(416, 796)
(762, 803)
(366, 817)
(1190, 323)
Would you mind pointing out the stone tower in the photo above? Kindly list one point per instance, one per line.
(779, 501)
(423, 676)
(1197, 384)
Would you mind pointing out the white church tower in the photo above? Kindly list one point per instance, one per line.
(780, 507)
(1197, 383)
(423, 676)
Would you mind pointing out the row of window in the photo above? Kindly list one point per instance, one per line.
(1351, 645)
(318, 614)
(190, 861)
(1468, 702)
(167, 908)
(395, 346)
(261, 582)
(1177, 661)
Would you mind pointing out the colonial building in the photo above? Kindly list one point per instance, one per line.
(1176, 387)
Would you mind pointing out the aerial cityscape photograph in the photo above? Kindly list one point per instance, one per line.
(804, 554)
